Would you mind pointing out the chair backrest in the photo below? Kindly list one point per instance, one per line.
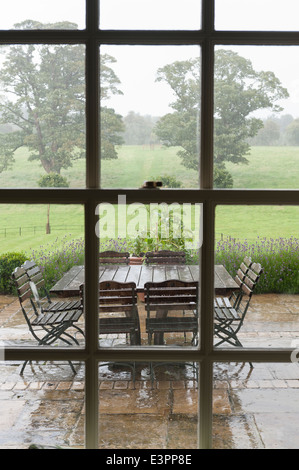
(242, 271)
(251, 279)
(36, 279)
(171, 295)
(165, 257)
(115, 296)
(248, 285)
(34, 273)
(22, 283)
(114, 257)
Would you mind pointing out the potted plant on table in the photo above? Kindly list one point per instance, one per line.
(138, 249)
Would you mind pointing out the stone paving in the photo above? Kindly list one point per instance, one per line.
(252, 408)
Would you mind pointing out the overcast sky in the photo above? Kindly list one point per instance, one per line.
(136, 66)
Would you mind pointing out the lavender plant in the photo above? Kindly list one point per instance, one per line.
(116, 244)
(57, 258)
(278, 257)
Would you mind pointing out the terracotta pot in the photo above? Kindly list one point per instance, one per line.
(136, 260)
(140, 296)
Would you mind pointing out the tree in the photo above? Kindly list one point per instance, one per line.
(44, 101)
(269, 134)
(292, 133)
(139, 129)
(239, 91)
(52, 180)
(112, 125)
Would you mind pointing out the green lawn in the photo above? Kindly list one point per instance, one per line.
(23, 227)
(269, 168)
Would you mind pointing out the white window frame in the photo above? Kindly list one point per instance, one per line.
(207, 38)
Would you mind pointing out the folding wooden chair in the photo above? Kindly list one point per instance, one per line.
(229, 316)
(118, 313)
(114, 257)
(173, 296)
(46, 327)
(169, 296)
(165, 257)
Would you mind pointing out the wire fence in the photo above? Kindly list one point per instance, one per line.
(23, 231)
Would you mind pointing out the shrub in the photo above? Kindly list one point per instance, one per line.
(8, 263)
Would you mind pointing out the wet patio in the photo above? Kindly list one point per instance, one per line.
(252, 408)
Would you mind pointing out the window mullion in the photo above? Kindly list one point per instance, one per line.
(92, 97)
(91, 325)
(91, 240)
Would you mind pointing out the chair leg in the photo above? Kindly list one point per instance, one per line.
(23, 367)
(72, 367)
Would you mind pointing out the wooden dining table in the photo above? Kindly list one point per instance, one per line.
(68, 285)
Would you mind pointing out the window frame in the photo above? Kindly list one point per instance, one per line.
(207, 38)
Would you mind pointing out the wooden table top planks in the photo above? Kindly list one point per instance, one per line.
(68, 285)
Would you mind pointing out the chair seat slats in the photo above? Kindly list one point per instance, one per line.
(57, 318)
(61, 305)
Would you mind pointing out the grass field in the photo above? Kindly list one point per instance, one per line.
(23, 227)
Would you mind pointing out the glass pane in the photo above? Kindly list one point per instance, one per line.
(267, 15)
(150, 14)
(142, 244)
(263, 310)
(256, 117)
(36, 14)
(51, 239)
(256, 408)
(164, 402)
(150, 112)
(42, 109)
(44, 407)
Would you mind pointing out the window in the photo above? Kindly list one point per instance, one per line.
(112, 36)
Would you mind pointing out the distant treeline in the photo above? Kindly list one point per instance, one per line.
(278, 130)
(139, 130)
